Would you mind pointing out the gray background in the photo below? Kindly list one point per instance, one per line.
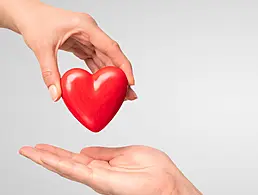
(196, 68)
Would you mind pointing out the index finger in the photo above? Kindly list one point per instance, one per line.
(112, 49)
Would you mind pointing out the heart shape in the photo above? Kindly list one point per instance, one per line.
(94, 99)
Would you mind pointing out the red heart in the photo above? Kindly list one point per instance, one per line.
(94, 99)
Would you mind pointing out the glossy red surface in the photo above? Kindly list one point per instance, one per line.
(94, 99)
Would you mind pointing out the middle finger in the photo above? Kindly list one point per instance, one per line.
(64, 153)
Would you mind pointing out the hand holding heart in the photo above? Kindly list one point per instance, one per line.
(92, 99)
(65, 30)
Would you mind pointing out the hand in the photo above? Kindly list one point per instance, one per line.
(46, 29)
(133, 170)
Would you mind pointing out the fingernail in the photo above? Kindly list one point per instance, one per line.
(23, 153)
(132, 81)
(53, 92)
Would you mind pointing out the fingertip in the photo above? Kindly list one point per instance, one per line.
(130, 99)
(131, 95)
(23, 148)
(55, 92)
(131, 81)
(59, 91)
(130, 78)
(51, 75)
(127, 68)
(24, 151)
(21, 151)
(52, 80)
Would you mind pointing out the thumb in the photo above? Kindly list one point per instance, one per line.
(48, 64)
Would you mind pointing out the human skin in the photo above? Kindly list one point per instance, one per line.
(46, 29)
(131, 170)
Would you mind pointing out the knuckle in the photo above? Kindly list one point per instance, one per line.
(89, 18)
(76, 20)
(39, 45)
(113, 47)
(47, 75)
(83, 17)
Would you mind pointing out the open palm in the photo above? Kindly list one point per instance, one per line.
(133, 170)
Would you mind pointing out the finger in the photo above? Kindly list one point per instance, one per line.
(50, 73)
(102, 153)
(105, 60)
(68, 44)
(88, 50)
(55, 150)
(64, 153)
(91, 64)
(62, 166)
(31, 153)
(100, 179)
(34, 155)
(97, 61)
(79, 53)
(71, 169)
(80, 38)
(96, 178)
(110, 48)
(131, 95)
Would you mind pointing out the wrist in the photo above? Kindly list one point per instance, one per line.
(178, 184)
(185, 187)
(13, 13)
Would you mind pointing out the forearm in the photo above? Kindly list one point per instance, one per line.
(13, 13)
(185, 187)
(178, 184)
(189, 190)
(5, 21)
